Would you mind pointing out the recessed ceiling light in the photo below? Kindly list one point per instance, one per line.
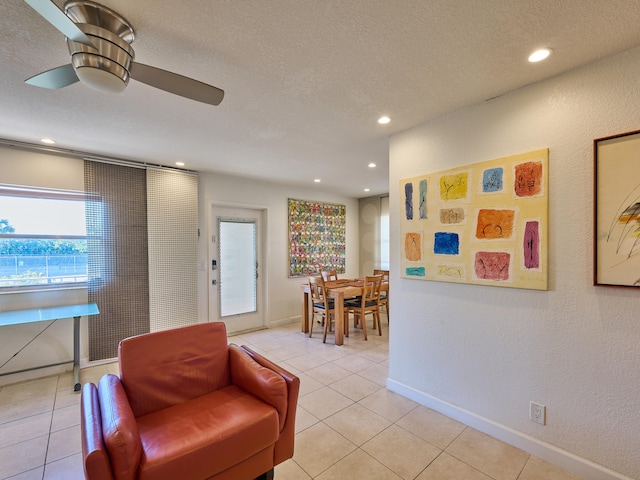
(317, 180)
(372, 165)
(367, 189)
(48, 141)
(180, 164)
(539, 55)
(384, 120)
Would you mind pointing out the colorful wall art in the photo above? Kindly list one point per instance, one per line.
(317, 237)
(485, 223)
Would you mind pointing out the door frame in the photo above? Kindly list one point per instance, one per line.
(263, 267)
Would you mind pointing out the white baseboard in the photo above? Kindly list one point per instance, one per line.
(579, 466)
(40, 372)
(284, 321)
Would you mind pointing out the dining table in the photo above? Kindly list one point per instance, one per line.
(338, 290)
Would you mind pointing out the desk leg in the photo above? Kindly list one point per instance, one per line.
(305, 313)
(76, 354)
(338, 298)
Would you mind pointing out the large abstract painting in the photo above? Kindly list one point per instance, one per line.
(617, 202)
(317, 236)
(485, 223)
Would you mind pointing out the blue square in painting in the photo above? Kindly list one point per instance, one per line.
(492, 180)
(446, 243)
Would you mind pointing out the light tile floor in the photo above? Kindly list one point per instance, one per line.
(348, 426)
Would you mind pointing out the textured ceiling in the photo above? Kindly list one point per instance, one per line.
(304, 80)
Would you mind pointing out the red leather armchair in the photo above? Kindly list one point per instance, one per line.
(188, 406)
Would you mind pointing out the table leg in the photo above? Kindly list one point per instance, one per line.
(338, 298)
(305, 313)
(76, 354)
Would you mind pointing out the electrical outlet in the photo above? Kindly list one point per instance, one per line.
(537, 413)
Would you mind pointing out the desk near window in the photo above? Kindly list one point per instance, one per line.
(17, 317)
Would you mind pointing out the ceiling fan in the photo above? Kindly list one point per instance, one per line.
(99, 41)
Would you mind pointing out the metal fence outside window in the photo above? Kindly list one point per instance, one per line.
(21, 270)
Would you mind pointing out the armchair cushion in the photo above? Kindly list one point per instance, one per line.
(206, 435)
(119, 429)
(259, 381)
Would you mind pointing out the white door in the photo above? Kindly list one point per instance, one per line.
(236, 268)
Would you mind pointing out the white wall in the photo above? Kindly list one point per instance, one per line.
(283, 293)
(482, 353)
(20, 167)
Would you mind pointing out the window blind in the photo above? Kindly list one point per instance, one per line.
(172, 222)
(117, 268)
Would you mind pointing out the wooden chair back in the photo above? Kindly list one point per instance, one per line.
(384, 296)
(317, 290)
(329, 275)
(322, 305)
(384, 273)
(369, 302)
(371, 291)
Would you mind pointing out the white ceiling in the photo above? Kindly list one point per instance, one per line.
(304, 80)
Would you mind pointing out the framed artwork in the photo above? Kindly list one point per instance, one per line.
(317, 237)
(617, 210)
(485, 223)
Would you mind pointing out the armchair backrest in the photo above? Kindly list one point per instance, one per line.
(166, 368)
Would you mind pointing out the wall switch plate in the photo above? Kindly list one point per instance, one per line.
(537, 413)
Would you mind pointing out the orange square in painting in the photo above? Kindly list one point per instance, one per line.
(528, 179)
(412, 250)
(495, 224)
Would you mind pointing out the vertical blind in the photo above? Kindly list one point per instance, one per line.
(142, 252)
(172, 219)
(117, 265)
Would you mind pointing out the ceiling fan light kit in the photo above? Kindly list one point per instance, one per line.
(99, 42)
(105, 67)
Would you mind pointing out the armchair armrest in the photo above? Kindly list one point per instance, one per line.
(119, 428)
(259, 381)
(95, 458)
(284, 446)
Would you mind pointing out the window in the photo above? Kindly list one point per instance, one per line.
(238, 264)
(384, 242)
(42, 238)
(384, 233)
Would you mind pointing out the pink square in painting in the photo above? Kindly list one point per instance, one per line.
(492, 265)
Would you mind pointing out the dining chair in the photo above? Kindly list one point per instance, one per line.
(324, 306)
(384, 296)
(329, 275)
(368, 303)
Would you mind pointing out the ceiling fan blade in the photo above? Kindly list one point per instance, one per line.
(56, 17)
(177, 84)
(55, 78)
